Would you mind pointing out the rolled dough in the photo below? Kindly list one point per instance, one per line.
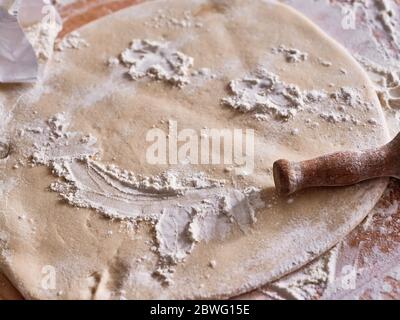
(51, 249)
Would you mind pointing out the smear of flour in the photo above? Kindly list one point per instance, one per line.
(263, 93)
(184, 208)
(157, 60)
(291, 55)
(71, 41)
(372, 36)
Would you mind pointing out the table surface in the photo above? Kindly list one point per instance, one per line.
(365, 265)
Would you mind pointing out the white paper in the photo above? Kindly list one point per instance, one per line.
(18, 62)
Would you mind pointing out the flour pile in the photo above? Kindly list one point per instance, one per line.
(42, 37)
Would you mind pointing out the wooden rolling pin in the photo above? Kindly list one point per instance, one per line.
(338, 169)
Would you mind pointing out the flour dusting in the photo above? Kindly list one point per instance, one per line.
(262, 93)
(308, 284)
(71, 41)
(372, 36)
(52, 144)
